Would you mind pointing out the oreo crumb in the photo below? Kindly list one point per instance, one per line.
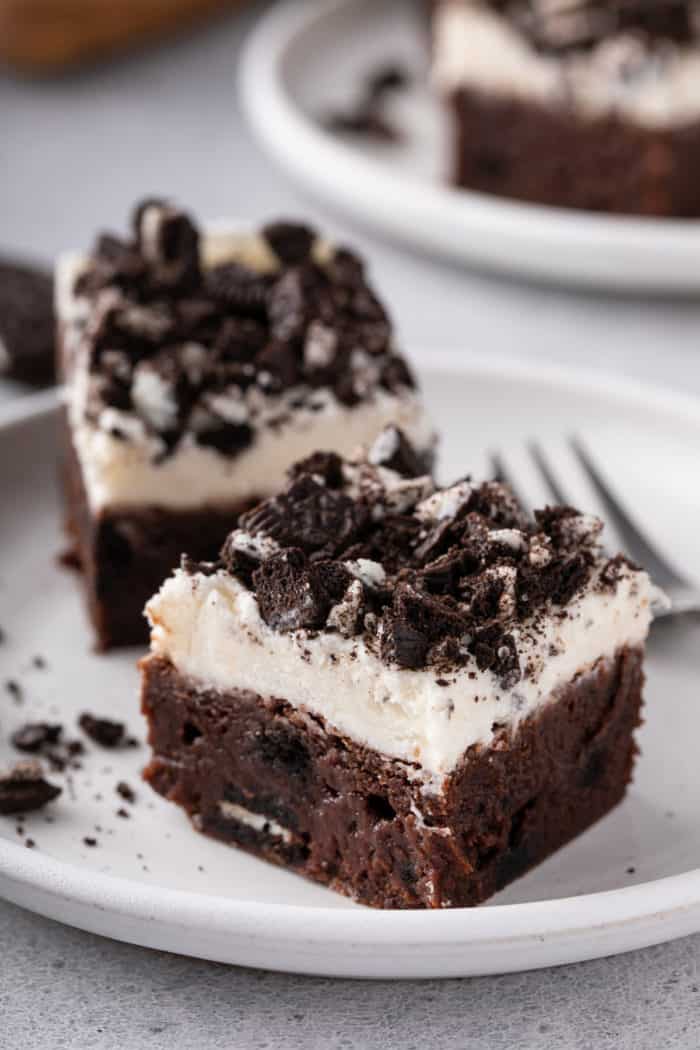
(121, 812)
(387, 79)
(15, 690)
(88, 840)
(102, 731)
(24, 788)
(35, 736)
(70, 559)
(125, 791)
(364, 122)
(367, 117)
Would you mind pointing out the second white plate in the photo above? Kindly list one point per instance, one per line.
(304, 58)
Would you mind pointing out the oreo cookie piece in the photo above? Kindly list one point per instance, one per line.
(391, 449)
(309, 515)
(35, 736)
(290, 241)
(24, 788)
(294, 593)
(169, 242)
(26, 323)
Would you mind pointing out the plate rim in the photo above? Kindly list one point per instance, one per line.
(453, 942)
(339, 171)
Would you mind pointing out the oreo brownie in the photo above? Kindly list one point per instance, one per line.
(408, 693)
(197, 367)
(26, 323)
(589, 104)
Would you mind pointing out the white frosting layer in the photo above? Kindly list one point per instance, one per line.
(210, 628)
(122, 473)
(132, 472)
(477, 48)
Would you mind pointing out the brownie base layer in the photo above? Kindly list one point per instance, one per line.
(522, 150)
(260, 774)
(125, 555)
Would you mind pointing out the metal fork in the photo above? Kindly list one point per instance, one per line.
(684, 594)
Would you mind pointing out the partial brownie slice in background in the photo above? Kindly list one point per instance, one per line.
(198, 365)
(410, 694)
(588, 104)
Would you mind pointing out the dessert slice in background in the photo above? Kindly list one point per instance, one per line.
(197, 366)
(582, 103)
(410, 694)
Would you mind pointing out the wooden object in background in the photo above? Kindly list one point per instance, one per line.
(45, 36)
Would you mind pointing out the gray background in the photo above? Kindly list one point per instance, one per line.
(74, 156)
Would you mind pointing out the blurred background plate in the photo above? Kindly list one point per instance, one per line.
(305, 58)
(632, 880)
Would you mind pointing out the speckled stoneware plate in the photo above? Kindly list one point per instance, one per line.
(306, 58)
(632, 880)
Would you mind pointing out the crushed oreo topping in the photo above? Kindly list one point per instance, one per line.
(561, 26)
(392, 450)
(175, 348)
(295, 592)
(24, 788)
(426, 576)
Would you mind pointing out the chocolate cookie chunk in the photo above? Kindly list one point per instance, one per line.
(24, 788)
(26, 323)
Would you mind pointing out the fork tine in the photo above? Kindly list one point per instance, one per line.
(502, 474)
(636, 544)
(542, 463)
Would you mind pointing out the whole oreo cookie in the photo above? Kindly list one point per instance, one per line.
(26, 323)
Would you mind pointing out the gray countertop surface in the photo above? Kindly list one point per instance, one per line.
(75, 154)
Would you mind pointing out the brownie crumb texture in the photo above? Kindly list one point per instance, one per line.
(177, 348)
(432, 577)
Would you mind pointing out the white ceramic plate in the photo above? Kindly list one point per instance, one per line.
(632, 880)
(303, 58)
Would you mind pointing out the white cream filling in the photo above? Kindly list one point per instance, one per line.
(232, 811)
(476, 47)
(210, 628)
(130, 473)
